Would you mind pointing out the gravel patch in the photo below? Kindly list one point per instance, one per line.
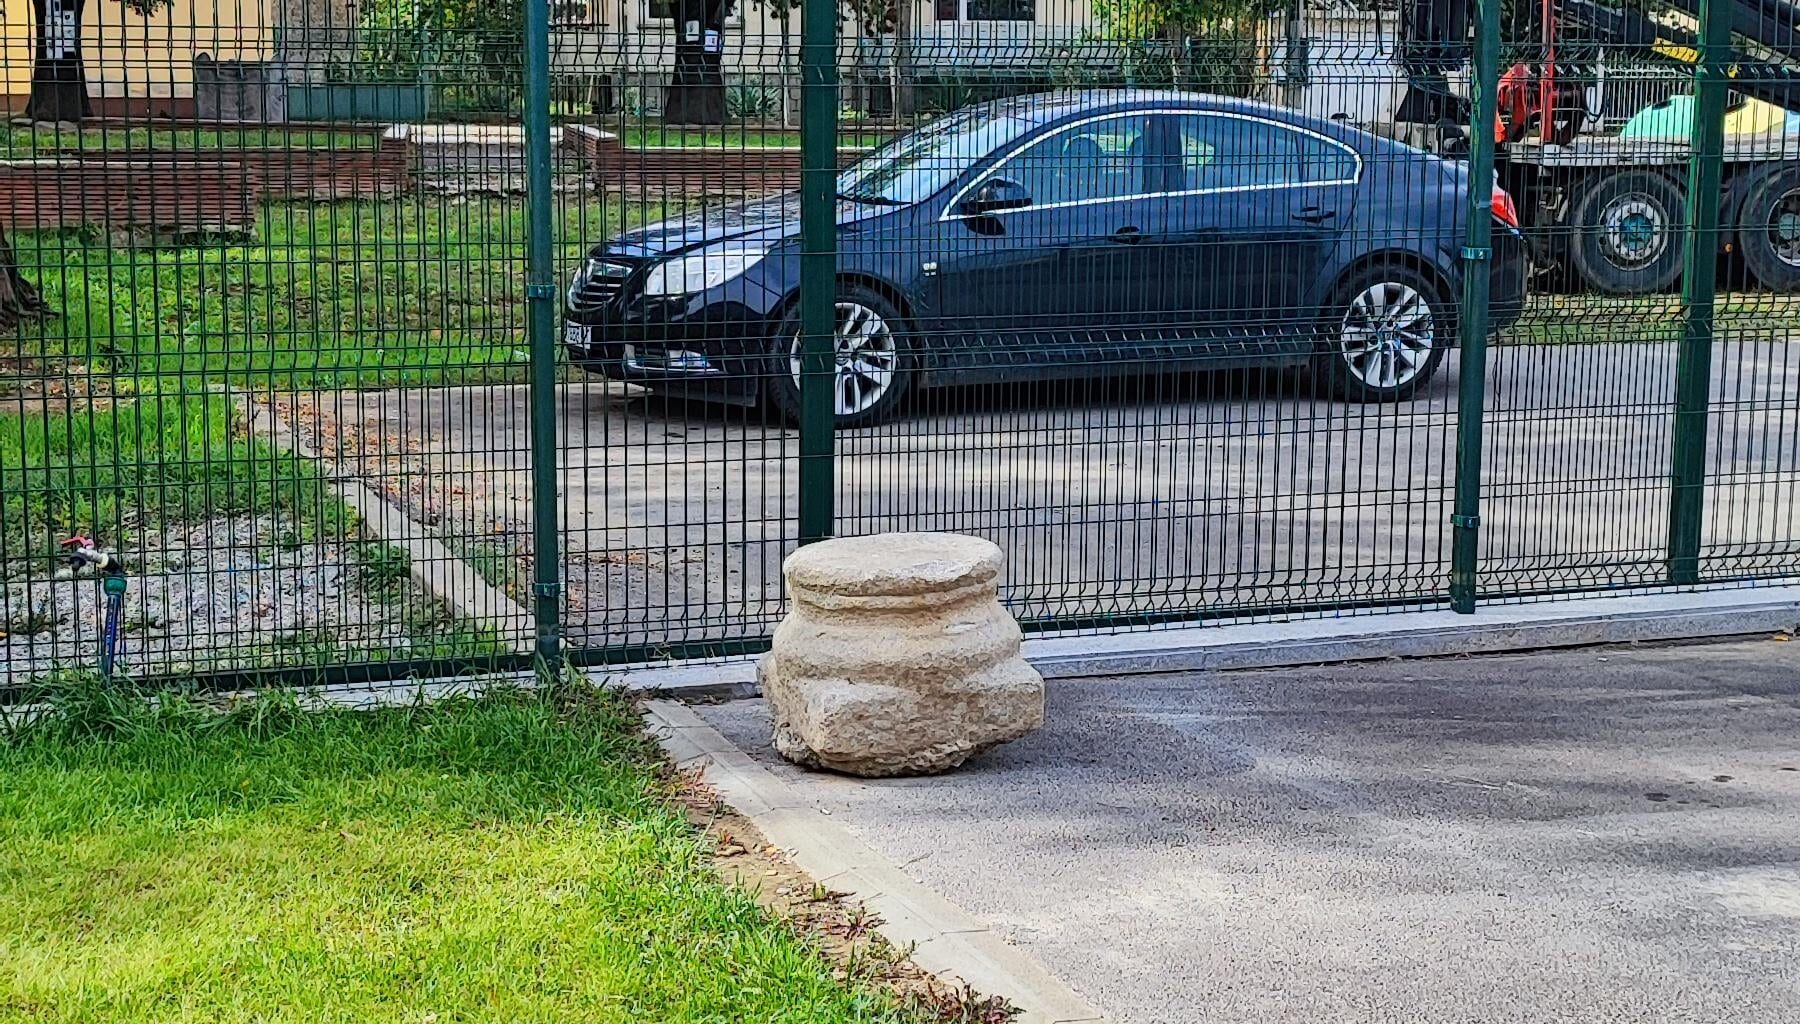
(229, 592)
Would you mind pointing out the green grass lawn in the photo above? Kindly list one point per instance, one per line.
(639, 136)
(695, 137)
(418, 290)
(81, 466)
(1588, 319)
(118, 468)
(21, 142)
(422, 289)
(508, 859)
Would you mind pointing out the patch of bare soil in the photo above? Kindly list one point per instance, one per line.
(838, 926)
(25, 378)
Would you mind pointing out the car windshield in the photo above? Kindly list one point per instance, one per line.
(916, 165)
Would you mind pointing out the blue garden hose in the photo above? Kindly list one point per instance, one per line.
(114, 585)
(83, 554)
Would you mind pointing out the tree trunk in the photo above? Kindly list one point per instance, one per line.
(314, 36)
(1174, 36)
(58, 78)
(697, 89)
(788, 100)
(19, 300)
(903, 60)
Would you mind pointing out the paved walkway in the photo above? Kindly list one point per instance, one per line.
(1214, 492)
(1583, 836)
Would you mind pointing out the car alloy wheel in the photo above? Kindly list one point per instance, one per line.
(866, 355)
(1388, 335)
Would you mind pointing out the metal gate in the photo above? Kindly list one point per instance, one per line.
(309, 318)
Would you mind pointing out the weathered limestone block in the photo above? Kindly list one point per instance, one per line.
(897, 658)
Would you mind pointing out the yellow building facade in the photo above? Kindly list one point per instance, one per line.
(132, 57)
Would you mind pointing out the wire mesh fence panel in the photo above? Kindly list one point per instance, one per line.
(1181, 304)
(1750, 462)
(679, 126)
(1165, 321)
(1644, 291)
(262, 311)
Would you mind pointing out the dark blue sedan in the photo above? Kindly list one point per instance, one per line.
(1071, 234)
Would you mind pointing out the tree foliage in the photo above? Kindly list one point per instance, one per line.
(873, 17)
(470, 47)
(1209, 45)
(1164, 19)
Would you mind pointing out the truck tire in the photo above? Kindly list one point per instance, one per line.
(1628, 233)
(1768, 229)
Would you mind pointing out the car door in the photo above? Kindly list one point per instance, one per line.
(1046, 282)
(1247, 212)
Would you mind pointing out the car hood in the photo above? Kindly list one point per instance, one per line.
(771, 220)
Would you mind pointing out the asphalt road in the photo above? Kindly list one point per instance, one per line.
(1591, 836)
(1213, 492)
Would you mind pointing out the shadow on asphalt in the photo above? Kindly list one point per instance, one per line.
(1038, 396)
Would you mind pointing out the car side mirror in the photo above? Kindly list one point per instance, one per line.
(994, 195)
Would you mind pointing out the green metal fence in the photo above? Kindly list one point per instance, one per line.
(387, 339)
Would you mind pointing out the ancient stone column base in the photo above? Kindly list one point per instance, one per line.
(897, 658)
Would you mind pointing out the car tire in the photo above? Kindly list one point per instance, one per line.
(1628, 233)
(869, 388)
(1768, 230)
(1383, 334)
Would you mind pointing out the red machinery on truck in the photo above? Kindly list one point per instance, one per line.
(1607, 210)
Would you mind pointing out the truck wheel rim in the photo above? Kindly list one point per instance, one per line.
(1784, 228)
(1635, 229)
(1387, 335)
(865, 356)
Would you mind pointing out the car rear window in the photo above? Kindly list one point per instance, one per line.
(1219, 151)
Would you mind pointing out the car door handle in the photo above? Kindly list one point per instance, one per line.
(1315, 215)
(1128, 235)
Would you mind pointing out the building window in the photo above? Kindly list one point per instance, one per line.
(573, 13)
(662, 14)
(987, 10)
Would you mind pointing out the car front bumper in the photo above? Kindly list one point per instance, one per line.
(1507, 276)
(719, 349)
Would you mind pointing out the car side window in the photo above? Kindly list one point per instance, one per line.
(1218, 152)
(1085, 162)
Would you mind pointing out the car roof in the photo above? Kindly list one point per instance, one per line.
(1047, 107)
(1044, 107)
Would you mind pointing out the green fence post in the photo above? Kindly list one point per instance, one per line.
(540, 295)
(1477, 254)
(1693, 363)
(818, 267)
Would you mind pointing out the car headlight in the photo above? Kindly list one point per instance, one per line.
(580, 282)
(698, 271)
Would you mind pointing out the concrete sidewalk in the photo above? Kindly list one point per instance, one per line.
(1597, 835)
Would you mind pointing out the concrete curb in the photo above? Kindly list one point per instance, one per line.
(1495, 629)
(944, 939)
(1425, 634)
(434, 567)
(689, 680)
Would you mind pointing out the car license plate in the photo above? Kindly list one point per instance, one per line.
(577, 335)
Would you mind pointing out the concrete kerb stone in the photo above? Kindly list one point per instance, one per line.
(943, 938)
(434, 567)
(1495, 629)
